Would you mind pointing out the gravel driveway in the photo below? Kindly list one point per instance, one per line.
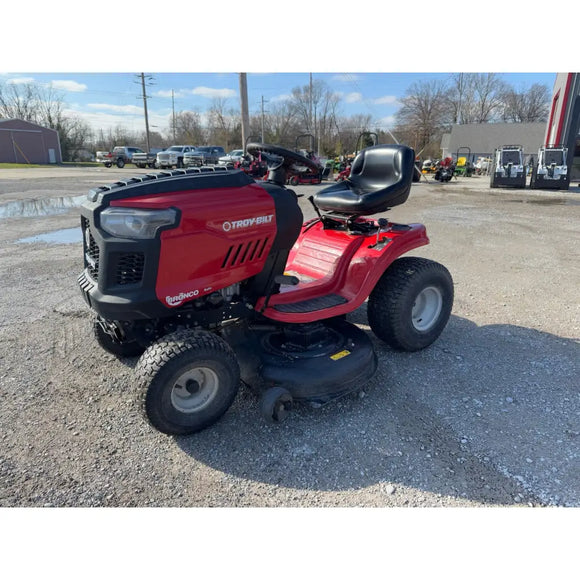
(487, 416)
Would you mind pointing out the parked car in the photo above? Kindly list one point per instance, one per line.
(146, 159)
(173, 156)
(119, 156)
(205, 155)
(232, 157)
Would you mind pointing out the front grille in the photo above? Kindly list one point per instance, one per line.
(92, 252)
(130, 268)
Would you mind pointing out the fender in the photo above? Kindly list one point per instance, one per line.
(340, 267)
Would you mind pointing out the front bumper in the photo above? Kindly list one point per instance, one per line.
(193, 161)
(119, 276)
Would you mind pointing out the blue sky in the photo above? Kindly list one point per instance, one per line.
(110, 99)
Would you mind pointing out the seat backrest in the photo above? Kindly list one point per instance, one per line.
(380, 178)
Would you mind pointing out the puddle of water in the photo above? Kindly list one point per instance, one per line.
(67, 236)
(40, 207)
(546, 201)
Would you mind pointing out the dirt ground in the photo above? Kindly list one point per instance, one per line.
(487, 416)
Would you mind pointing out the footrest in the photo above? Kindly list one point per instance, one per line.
(312, 304)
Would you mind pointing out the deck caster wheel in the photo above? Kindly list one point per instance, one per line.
(275, 405)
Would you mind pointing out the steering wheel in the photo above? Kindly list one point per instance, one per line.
(288, 160)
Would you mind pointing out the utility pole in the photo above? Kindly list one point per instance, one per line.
(310, 95)
(173, 109)
(145, 97)
(244, 107)
(263, 117)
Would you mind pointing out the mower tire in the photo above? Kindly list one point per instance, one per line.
(108, 164)
(189, 379)
(275, 404)
(411, 303)
(120, 163)
(119, 349)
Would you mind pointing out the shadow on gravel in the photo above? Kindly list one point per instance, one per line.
(489, 414)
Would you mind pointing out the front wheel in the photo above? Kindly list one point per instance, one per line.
(411, 303)
(189, 379)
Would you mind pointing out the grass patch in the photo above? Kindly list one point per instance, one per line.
(17, 165)
(65, 164)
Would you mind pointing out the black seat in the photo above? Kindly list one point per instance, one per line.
(380, 178)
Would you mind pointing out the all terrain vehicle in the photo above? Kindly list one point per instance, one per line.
(508, 169)
(551, 170)
(214, 279)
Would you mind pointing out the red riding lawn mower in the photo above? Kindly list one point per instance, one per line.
(254, 166)
(214, 280)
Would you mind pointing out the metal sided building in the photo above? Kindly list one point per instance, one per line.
(25, 142)
(484, 138)
(564, 120)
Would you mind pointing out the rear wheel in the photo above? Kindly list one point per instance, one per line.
(189, 380)
(411, 303)
(120, 163)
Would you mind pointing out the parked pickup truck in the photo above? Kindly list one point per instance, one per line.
(206, 155)
(146, 159)
(119, 156)
(173, 156)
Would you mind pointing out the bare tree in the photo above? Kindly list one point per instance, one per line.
(315, 109)
(529, 106)
(424, 112)
(18, 102)
(475, 97)
(224, 125)
(188, 128)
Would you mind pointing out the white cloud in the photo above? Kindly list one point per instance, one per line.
(122, 109)
(353, 97)
(179, 94)
(345, 78)
(213, 93)
(278, 98)
(386, 122)
(386, 100)
(20, 81)
(199, 91)
(70, 86)
(159, 122)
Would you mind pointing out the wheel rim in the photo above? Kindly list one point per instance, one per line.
(194, 390)
(427, 308)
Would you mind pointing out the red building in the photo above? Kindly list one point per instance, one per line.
(564, 120)
(24, 142)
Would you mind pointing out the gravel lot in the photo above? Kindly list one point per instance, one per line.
(487, 416)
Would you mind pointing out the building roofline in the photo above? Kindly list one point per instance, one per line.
(30, 123)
